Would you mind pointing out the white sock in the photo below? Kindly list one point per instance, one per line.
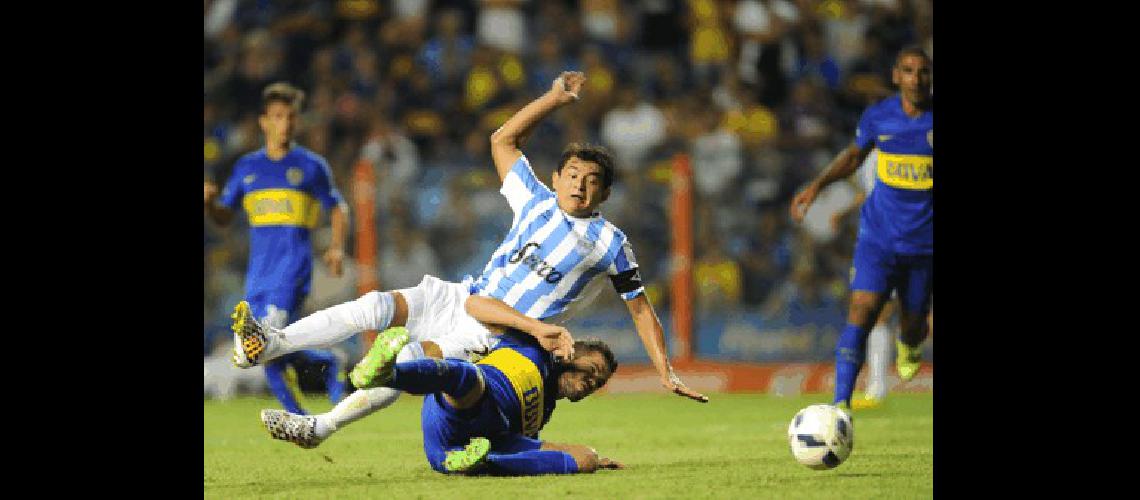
(364, 402)
(878, 360)
(328, 327)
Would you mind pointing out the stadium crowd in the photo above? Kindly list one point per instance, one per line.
(758, 94)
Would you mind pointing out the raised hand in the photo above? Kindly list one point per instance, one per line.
(566, 87)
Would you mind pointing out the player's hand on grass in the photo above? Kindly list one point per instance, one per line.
(673, 383)
(556, 339)
(566, 87)
(606, 463)
(334, 258)
(802, 201)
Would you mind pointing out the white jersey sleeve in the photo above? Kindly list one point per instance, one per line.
(521, 186)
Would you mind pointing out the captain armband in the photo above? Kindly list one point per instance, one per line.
(627, 281)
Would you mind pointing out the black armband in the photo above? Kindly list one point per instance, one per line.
(627, 281)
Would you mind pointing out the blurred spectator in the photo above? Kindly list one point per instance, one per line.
(804, 294)
(550, 61)
(405, 257)
(395, 158)
(804, 119)
(754, 123)
(717, 157)
(814, 62)
(764, 27)
(718, 278)
(481, 85)
(844, 27)
(451, 229)
(631, 130)
(764, 260)
(446, 55)
(710, 44)
(502, 25)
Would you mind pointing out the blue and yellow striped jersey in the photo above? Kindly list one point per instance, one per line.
(899, 213)
(521, 379)
(282, 200)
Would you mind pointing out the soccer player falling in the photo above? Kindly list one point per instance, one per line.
(544, 268)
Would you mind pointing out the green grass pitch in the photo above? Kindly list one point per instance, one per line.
(733, 447)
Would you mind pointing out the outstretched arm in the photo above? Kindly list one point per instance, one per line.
(553, 338)
(653, 338)
(841, 167)
(505, 141)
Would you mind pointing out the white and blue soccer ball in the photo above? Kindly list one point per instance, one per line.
(821, 436)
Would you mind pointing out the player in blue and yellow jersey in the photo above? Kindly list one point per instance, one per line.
(894, 250)
(485, 417)
(282, 188)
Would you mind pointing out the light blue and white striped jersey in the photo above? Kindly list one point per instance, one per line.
(548, 257)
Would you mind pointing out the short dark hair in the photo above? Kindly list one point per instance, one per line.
(590, 152)
(282, 92)
(596, 345)
(912, 50)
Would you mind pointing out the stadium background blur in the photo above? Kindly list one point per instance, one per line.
(759, 95)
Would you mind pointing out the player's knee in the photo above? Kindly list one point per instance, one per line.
(863, 310)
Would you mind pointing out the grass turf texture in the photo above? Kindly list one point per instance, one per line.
(733, 447)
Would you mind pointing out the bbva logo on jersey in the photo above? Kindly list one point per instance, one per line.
(539, 266)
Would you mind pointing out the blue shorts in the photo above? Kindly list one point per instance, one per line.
(446, 428)
(875, 269)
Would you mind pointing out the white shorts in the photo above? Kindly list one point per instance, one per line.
(436, 313)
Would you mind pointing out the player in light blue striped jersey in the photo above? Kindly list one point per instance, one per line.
(557, 245)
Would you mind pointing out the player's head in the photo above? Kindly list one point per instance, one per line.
(591, 368)
(280, 103)
(583, 178)
(912, 73)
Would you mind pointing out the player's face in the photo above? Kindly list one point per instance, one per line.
(912, 75)
(579, 187)
(583, 375)
(278, 123)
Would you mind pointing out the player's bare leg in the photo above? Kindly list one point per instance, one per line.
(850, 349)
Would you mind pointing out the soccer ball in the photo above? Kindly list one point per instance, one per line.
(821, 436)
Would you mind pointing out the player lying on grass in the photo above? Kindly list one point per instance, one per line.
(484, 316)
(484, 418)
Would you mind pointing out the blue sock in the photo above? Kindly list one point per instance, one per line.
(286, 395)
(532, 463)
(453, 377)
(849, 353)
